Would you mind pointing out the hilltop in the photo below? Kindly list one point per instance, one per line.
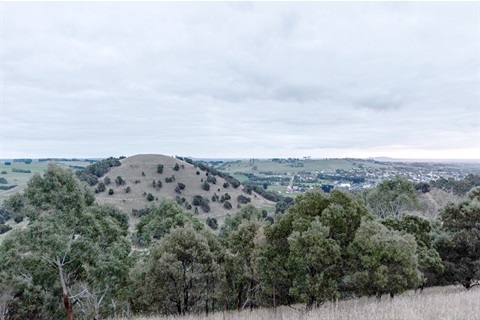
(140, 177)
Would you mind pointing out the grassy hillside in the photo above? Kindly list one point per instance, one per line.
(431, 304)
(140, 171)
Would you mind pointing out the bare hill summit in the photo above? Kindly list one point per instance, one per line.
(137, 183)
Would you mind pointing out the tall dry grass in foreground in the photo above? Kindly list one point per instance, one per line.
(449, 303)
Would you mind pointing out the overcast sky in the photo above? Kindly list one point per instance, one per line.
(224, 79)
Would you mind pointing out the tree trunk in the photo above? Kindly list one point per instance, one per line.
(66, 300)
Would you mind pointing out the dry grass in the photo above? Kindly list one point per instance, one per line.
(452, 303)
(132, 168)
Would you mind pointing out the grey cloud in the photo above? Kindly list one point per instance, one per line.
(268, 78)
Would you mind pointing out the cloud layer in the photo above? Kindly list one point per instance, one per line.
(244, 79)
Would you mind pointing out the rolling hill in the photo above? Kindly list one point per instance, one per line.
(139, 172)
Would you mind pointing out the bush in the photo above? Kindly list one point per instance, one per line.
(212, 223)
(21, 170)
(198, 173)
(181, 186)
(227, 196)
(3, 180)
(202, 202)
(4, 228)
(206, 186)
(264, 213)
(107, 181)
(226, 185)
(176, 167)
(8, 163)
(205, 207)
(160, 168)
(100, 187)
(227, 205)
(127, 190)
(177, 190)
(110, 191)
(18, 218)
(242, 199)
(197, 200)
(4, 172)
(211, 179)
(150, 197)
(119, 181)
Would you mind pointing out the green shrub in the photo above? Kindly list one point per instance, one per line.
(4, 228)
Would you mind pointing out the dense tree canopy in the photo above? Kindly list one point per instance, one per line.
(72, 251)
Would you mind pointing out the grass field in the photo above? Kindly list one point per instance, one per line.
(440, 303)
(20, 179)
(311, 165)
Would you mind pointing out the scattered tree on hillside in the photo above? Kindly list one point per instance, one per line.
(227, 205)
(160, 168)
(212, 223)
(206, 186)
(119, 181)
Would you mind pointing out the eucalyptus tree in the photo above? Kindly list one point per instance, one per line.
(72, 250)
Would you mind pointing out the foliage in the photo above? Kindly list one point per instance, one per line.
(458, 187)
(150, 197)
(205, 186)
(176, 167)
(242, 236)
(459, 245)
(392, 198)
(202, 202)
(337, 212)
(429, 261)
(212, 223)
(119, 181)
(243, 200)
(100, 187)
(180, 274)
(160, 168)
(79, 247)
(386, 260)
(313, 258)
(4, 228)
(95, 170)
(157, 221)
